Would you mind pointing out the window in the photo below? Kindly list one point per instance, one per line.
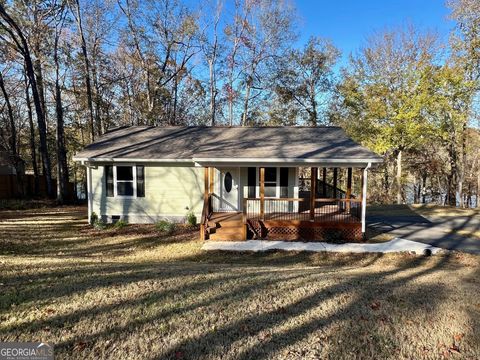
(270, 182)
(109, 179)
(125, 181)
(227, 182)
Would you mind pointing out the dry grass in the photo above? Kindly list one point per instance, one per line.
(134, 293)
(375, 237)
(437, 210)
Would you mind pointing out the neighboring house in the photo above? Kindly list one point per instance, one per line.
(241, 182)
(7, 166)
(12, 185)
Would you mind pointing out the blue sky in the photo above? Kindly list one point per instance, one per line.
(348, 23)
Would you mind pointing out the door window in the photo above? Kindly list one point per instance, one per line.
(227, 182)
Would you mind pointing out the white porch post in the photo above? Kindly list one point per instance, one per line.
(89, 191)
(364, 198)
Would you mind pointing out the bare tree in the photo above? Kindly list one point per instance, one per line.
(62, 167)
(75, 5)
(20, 44)
(211, 47)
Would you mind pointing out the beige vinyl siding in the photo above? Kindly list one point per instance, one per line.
(170, 191)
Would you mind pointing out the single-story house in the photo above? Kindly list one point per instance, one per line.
(240, 182)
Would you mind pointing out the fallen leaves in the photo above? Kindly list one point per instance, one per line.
(375, 305)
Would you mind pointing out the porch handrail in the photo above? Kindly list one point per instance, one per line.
(326, 209)
(277, 199)
(340, 200)
(304, 199)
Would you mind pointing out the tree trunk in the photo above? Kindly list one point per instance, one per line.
(62, 167)
(418, 192)
(386, 184)
(424, 187)
(313, 116)
(11, 122)
(37, 64)
(98, 116)
(398, 177)
(246, 101)
(86, 62)
(15, 159)
(213, 91)
(451, 193)
(461, 169)
(478, 190)
(22, 45)
(33, 150)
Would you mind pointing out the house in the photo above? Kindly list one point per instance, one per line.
(7, 162)
(12, 184)
(240, 182)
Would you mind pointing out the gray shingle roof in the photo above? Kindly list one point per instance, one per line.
(233, 144)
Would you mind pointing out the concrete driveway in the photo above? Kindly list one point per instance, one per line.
(438, 231)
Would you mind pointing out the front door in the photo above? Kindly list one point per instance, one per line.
(229, 185)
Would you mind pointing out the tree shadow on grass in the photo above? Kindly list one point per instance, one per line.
(216, 304)
(215, 343)
(261, 333)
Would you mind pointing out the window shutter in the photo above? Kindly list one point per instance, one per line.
(109, 180)
(140, 181)
(284, 182)
(252, 179)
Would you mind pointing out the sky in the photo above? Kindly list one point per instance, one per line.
(348, 23)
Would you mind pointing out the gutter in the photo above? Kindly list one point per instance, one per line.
(201, 161)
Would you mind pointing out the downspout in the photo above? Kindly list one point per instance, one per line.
(89, 189)
(364, 199)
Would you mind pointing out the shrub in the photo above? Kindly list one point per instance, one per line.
(93, 218)
(120, 224)
(165, 226)
(191, 219)
(99, 225)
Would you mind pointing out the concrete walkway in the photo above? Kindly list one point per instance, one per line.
(438, 231)
(395, 245)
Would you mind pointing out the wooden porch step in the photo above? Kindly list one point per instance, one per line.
(221, 236)
(226, 231)
(225, 224)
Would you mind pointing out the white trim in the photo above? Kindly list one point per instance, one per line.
(219, 187)
(277, 183)
(89, 193)
(136, 160)
(364, 197)
(134, 182)
(286, 160)
(199, 161)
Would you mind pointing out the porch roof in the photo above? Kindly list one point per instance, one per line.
(287, 146)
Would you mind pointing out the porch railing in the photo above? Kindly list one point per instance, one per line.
(291, 209)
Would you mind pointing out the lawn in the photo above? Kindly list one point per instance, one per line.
(137, 293)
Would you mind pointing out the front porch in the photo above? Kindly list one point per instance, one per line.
(319, 211)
